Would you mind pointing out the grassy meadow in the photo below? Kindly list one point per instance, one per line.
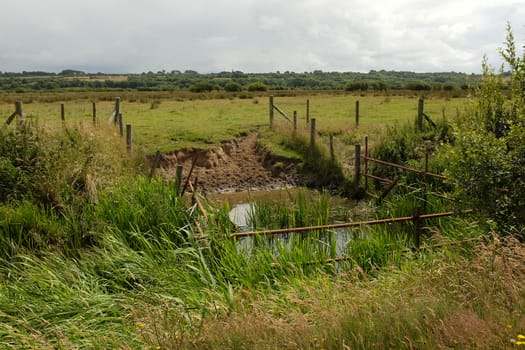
(94, 254)
(167, 123)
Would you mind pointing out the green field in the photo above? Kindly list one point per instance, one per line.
(168, 124)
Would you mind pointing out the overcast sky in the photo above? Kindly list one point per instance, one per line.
(133, 36)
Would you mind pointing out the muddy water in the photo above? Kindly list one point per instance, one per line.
(342, 210)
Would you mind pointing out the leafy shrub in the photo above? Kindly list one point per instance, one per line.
(404, 144)
(232, 86)
(257, 86)
(356, 86)
(202, 86)
(487, 164)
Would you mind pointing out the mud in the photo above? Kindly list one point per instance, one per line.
(236, 165)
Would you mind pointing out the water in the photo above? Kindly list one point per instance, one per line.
(240, 215)
(342, 210)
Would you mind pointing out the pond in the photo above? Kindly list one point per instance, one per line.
(243, 211)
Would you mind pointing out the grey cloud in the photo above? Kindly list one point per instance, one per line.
(296, 35)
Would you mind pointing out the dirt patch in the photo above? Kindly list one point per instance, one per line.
(236, 165)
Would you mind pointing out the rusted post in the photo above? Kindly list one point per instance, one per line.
(271, 112)
(357, 113)
(420, 109)
(417, 227)
(128, 137)
(62, 113)
(312, 133)
(307, 111)
(294, 121)
(357, 164)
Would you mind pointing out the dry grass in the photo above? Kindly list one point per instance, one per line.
(446, 301)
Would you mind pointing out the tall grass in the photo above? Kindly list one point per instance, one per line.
(443, 301)
(122, 261)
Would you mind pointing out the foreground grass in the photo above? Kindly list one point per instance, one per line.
(468, 296)
(446, 302)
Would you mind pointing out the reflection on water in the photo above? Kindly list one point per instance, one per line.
(240, 215)
(343, 210)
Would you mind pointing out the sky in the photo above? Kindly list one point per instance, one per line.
(134, 36)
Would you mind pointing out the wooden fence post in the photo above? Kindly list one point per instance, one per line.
(62, 113)
(155, 164)
(94, 113)
(128, 137)
(366, 163)
(294, 121)
(332, 153)
(19, 110)
(120, 124)
(357, 164)
(312, 133)
(271, 112)
(117, 110)
(178, 178)
(307, 111)
(420, 109)
(357, 113)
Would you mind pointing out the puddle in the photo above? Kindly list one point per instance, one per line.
(342, 210)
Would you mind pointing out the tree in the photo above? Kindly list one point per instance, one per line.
(257, 86)
(487, 162)
(232, 86)
(202, 86)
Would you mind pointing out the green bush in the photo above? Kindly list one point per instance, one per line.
(356, 86)
(232, 86)
(405, 145)
(487, 164)
(202, 86)
(257, 86)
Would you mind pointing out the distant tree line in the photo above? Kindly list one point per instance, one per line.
(382, 80)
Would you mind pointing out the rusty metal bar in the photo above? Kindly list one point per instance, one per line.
(343, 225)
(417, 171)
(380, 179)
(389, 188)
(388, 181)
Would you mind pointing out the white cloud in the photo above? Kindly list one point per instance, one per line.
(249, 35)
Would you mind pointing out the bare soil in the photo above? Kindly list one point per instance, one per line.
(236, 165)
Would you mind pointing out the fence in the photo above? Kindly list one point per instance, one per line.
(417, 218)
(19, 112)
(312, 122)
(116, 117)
